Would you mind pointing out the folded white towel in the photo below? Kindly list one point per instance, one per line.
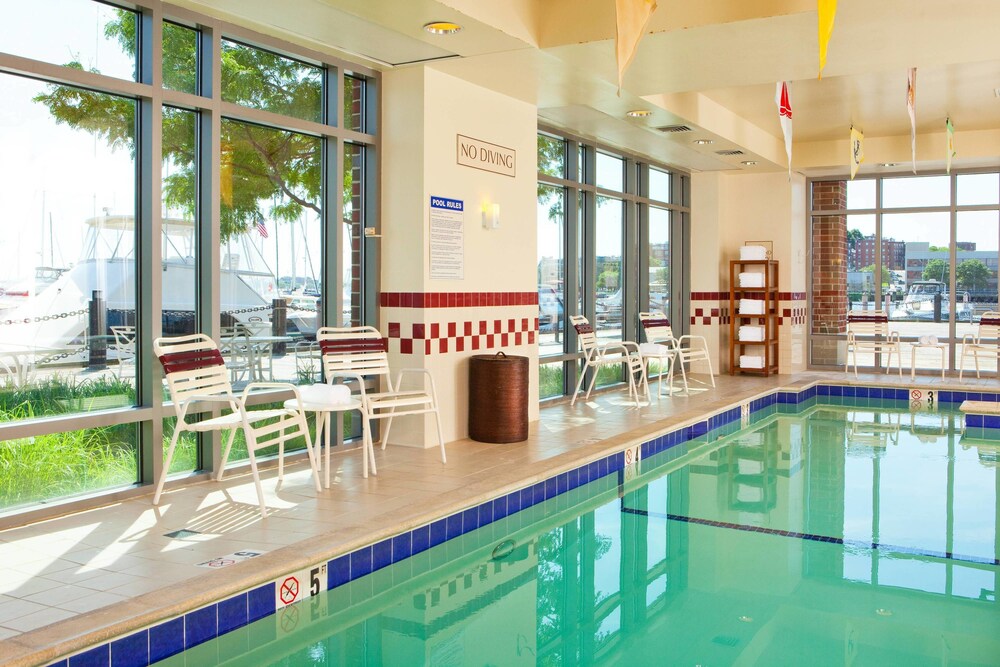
(928, 340)
(751, 307)
(325, 394)
(753, 252)
(654, 350)
(751, 333)
(750, 279)
(751, 361)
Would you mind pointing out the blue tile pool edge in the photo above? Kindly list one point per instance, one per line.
(166, 638)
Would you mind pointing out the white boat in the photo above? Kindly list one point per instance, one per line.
(919, 302)
(57, 316)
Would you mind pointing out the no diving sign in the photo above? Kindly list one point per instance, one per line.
(299, 586)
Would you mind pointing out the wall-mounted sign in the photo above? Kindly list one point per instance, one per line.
(447, 238)
(486, 156)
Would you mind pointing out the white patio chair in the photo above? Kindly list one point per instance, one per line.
(597, 354)
(686, 349)
(196, 374)
(361, 353)
(124, 346)
(868, 331)
(986, 341)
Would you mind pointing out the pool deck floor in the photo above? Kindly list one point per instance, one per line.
(84, 578)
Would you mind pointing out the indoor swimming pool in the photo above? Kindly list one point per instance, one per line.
(839, 530)
(811, 527)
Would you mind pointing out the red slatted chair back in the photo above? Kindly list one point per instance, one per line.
(360, 350)
(192, 365)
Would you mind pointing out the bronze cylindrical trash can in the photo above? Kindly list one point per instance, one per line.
(498, 398)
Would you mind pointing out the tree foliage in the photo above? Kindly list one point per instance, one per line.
(265, 172)
(937, 269)
(972, 274)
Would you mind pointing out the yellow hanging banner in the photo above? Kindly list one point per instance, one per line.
(632, 17)
(827, 10)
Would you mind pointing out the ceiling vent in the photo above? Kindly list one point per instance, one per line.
(729, 153)
(671, 129)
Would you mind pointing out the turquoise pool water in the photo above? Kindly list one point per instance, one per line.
(836, 535)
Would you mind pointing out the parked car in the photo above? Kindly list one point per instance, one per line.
(550, 310)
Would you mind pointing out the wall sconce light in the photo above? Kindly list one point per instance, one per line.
(491, 216)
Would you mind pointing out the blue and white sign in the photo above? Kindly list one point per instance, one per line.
(447, 238)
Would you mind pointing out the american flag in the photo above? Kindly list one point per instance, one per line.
(261, 228)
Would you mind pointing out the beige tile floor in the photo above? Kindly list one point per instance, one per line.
(74, 581)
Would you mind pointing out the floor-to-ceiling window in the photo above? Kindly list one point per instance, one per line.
(218, 182)
(610, 230)
(922, 249)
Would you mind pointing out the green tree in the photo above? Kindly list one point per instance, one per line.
(936, 269)
(886, 274)
(273, 173)
(972, 274)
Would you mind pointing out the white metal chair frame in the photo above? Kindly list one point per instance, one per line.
(975, 344)
(196, 374)
(360, 353)
(882, 340)
(124, 346)
(686, 348)
(597, 354)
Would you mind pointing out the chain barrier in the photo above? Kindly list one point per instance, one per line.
(240, 311)
(46, 318)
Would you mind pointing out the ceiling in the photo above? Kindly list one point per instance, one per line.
(710, 65)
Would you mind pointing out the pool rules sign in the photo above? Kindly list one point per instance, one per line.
(447, 238)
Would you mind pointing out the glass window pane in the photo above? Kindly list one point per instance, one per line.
(550, 380)
(352, 242)
(861, 193)
(354, 103)
(610, 172)
(263, 80)
(608, 274)
(551, 156)
(978, 189)
(57, 465)
(179, 210)
(659, 185)
(659, 261)
(916, 191)
(85, 35)
(180, 58)
(860, 254)
(551, 269)
(978, 252)
(69, 158)
(270, 248)
(925, 239)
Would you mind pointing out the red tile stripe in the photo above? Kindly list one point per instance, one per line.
(724, 296)
(456, 299)
(450, 337)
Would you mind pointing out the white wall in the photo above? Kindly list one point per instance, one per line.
(423, 112)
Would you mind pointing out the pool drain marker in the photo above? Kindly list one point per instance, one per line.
(503, 549)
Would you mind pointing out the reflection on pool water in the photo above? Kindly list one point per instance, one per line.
(836, 535)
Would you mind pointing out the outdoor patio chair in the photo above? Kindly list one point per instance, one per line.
(360, 353)
(686, 349)
(124, 346)
(868, 331)
(986, 341)
(597, 354)
(196, 374)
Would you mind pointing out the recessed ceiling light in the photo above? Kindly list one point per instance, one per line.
(442, 27)
(703, 142)
(638, 113)
(749, 163)
(746, 619)
(888, 164)
(883, 612)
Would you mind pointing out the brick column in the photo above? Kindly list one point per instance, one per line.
(829, 270)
